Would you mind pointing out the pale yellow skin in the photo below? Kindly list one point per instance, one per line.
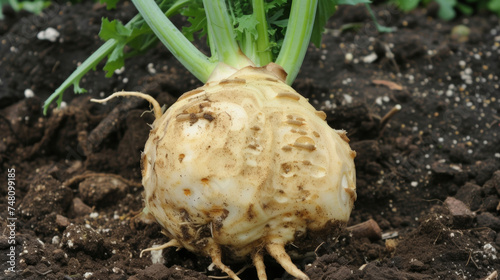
(246, 164)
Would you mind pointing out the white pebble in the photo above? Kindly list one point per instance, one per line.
(370, 58)
(28, 93)
(414, 184)
(56, 239)
(349, 57)
(94, 215)
(120, 71)
(49, 34)
(348, 98)
(87, 275)
(151, 68)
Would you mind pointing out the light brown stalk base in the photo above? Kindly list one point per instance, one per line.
(277, 251)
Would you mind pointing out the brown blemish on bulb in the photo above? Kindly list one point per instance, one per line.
(190, 93)
(351, 193)
(287, 148)
(294, 122)
(353, 154)
(299, 131)
(343, 135)
(288, 95)
(250, 212)
(321, 114)
(187, 192)
(306, 143)
(183, 117)
(144, 164)
(205, 181)
(208, 117)
(316, 134)
(232, 81)
(286, 167)
(181, 157)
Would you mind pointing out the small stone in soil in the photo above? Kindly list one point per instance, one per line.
(102, 190)
(462, 216)
(78, 208)
(494, 182)
(470, 194)
(62, 221)
(81, 238)
(488, 220)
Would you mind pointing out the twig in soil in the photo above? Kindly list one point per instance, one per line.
(44, 273)
(317, 248)
(435, 240)
(471, 259)
(390, 55)
(385, 119)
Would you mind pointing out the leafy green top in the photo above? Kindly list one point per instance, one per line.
(263, 31)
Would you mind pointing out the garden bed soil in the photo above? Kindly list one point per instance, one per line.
(429, 176)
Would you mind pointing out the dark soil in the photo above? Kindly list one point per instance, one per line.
(429, 175)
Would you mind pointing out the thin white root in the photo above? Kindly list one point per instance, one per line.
(258, 261)
(277, 251)
(216, 256)
(156, 106)
(171, 243)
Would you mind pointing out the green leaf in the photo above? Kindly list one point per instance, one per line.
(326, 8)
(122, 35)
(407, 5)
(494, 6)
(110, 4)
(352, 2)
(196, 16)
(76, 88)
(465, 9)
(114, 30)
(446, 11)
(247, 24)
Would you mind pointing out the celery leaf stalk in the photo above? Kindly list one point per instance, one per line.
(239, 33)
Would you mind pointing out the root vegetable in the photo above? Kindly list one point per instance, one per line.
(244, 164)
(247, 165)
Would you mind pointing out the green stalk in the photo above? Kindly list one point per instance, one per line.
(297, 37)
(75, 77)
(222, 34)
(92, 61)
(192, 58)
(263, 50)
